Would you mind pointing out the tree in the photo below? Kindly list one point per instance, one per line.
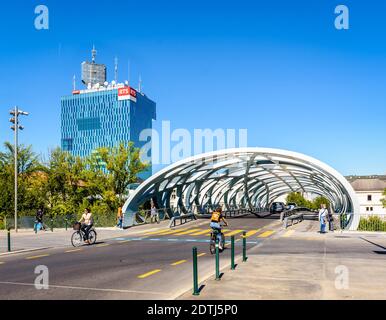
(28, 166)
(318, 201)
(298, 198)
(122, 163)
(65, 186)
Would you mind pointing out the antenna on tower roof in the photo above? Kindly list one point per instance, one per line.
(74, 82)
(128, 72)
(116, 69)
(93, 53)
(140, 84)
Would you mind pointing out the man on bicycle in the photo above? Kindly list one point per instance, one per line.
(88, 222)
(215, 220)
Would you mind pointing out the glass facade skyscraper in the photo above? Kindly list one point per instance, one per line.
(105, 116)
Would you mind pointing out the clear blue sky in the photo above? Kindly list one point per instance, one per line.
(279, 69)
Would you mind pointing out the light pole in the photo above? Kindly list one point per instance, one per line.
(15, 127)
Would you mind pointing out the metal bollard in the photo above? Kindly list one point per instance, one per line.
(217, 261)
(66, 223)
(233, 253)
(9, 239)
(52, 225)
(195, 273)
(244, 247)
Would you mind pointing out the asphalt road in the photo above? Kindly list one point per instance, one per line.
(147, 266)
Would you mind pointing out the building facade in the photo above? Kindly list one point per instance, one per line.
(369, 190)
(104, 116)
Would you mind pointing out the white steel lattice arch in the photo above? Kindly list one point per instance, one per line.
(244, 177)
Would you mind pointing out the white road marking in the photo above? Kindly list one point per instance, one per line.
(82, 288)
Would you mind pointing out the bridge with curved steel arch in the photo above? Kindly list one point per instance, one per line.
(244, 177)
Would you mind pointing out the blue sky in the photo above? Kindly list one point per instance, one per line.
(280, 70)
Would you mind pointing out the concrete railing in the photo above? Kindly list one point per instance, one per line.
(295, 218)
(184, 218)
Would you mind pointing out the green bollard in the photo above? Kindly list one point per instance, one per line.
(217, 261)
(66, 223)
(244, 247)
(9, 239)
(233, 267)
(196, 292)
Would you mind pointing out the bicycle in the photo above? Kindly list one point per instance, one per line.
(77, 238)
(213, 238)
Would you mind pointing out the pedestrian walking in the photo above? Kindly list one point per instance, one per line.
(39, 220)
(322, 218)
(154, 214)
(120, 217)
(330, 221)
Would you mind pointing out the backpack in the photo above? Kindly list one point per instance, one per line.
(216, 216)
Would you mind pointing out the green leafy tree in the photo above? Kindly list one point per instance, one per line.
(122, 165)
(66, 187)
(28, 167)
(298, 198)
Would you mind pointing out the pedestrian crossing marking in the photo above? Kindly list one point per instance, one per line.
(266, 234)
(207, 232)
(232, 233)
(187, 232)
(200, 232)
(251, 233)
(170, 232)
(165, 231)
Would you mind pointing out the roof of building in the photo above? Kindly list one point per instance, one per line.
(368, 183)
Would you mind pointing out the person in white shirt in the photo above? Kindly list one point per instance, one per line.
(323, 212)
(88, 222)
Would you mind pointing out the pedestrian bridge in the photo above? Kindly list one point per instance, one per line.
(249, 178)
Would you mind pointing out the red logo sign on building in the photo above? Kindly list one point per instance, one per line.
(127, 93)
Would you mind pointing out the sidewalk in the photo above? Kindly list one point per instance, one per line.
(306, 265)
(27, 239)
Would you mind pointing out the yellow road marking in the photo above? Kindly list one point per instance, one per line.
(73, 250)
(201, 254)
(170, 232)
(266, 234)
(178, 262)
(102, 245)
(288, 233)
(1, 262)
(232, 233)
(223, 231)
(201, 232)
(162, 232)
(148, 274)
(251, 233)
(124, 241)
(187, 232)
(37, 257)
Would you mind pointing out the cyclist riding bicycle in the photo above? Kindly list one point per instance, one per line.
(215, 220)
(88, 223)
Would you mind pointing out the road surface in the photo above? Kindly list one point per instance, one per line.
(156, 265)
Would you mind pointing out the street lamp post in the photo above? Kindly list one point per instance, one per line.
(15, 127)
